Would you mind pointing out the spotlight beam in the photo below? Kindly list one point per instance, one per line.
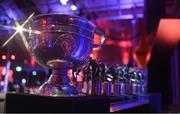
(7, 41)
(23, 29)
(22, 35)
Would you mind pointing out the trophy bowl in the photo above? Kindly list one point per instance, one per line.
(64, 42)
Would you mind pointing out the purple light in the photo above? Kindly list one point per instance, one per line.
(6, 76)
(129, 104)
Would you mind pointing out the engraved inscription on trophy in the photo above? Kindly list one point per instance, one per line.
(67, 43)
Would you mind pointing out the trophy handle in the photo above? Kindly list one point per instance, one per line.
(102, 37)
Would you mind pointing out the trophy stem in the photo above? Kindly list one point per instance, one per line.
(58, 84)
(59, 77)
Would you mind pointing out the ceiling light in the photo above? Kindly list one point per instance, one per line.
(73, 7)
(63, 2)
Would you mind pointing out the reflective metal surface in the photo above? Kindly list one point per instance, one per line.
(65, 42)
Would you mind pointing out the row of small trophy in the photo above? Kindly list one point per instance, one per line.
(102, 79)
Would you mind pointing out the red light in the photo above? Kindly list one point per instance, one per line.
(125, 43)
(168, 31)
(44, 22)
(3, 57)
(32, 61)
(2, 73)
(13, 57)
(97, 39)
(125, 57)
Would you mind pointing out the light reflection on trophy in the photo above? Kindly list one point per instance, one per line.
(65, 42)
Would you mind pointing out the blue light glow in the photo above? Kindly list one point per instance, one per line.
(23, 81)
(18, 69)
(34, 73)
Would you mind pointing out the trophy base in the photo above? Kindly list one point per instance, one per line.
(62, 90)
(58, 85)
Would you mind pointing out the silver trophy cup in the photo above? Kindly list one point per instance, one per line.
(65, 42)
